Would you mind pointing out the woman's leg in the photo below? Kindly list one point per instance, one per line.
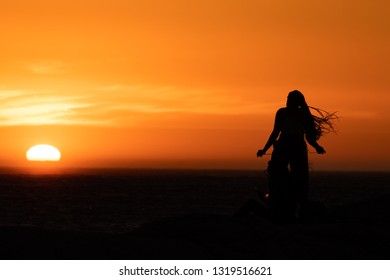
(299, 179)
(278, 175)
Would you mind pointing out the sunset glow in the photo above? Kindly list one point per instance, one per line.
(192, 84)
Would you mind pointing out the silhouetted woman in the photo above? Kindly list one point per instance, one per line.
(288, 168)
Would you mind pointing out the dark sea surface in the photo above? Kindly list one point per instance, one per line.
(118, 201)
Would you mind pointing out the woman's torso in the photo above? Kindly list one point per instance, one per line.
(292, 124)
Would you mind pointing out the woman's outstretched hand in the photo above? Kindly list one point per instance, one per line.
(320, 150)
(260, 153)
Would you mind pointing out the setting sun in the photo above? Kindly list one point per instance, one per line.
(43, 152)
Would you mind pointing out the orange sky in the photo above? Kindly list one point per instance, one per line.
(179, 83)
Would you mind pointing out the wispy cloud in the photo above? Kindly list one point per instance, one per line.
(118, 104)
(173, 99)
(23, 107)
(46, 67)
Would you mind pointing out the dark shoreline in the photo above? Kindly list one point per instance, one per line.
(187, 214)
(121, 171)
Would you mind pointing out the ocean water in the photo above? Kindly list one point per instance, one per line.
(116, 201)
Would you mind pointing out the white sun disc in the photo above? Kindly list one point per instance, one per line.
(43, 152)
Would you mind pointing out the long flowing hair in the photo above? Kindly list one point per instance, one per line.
(316, 124)
(323, 122)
